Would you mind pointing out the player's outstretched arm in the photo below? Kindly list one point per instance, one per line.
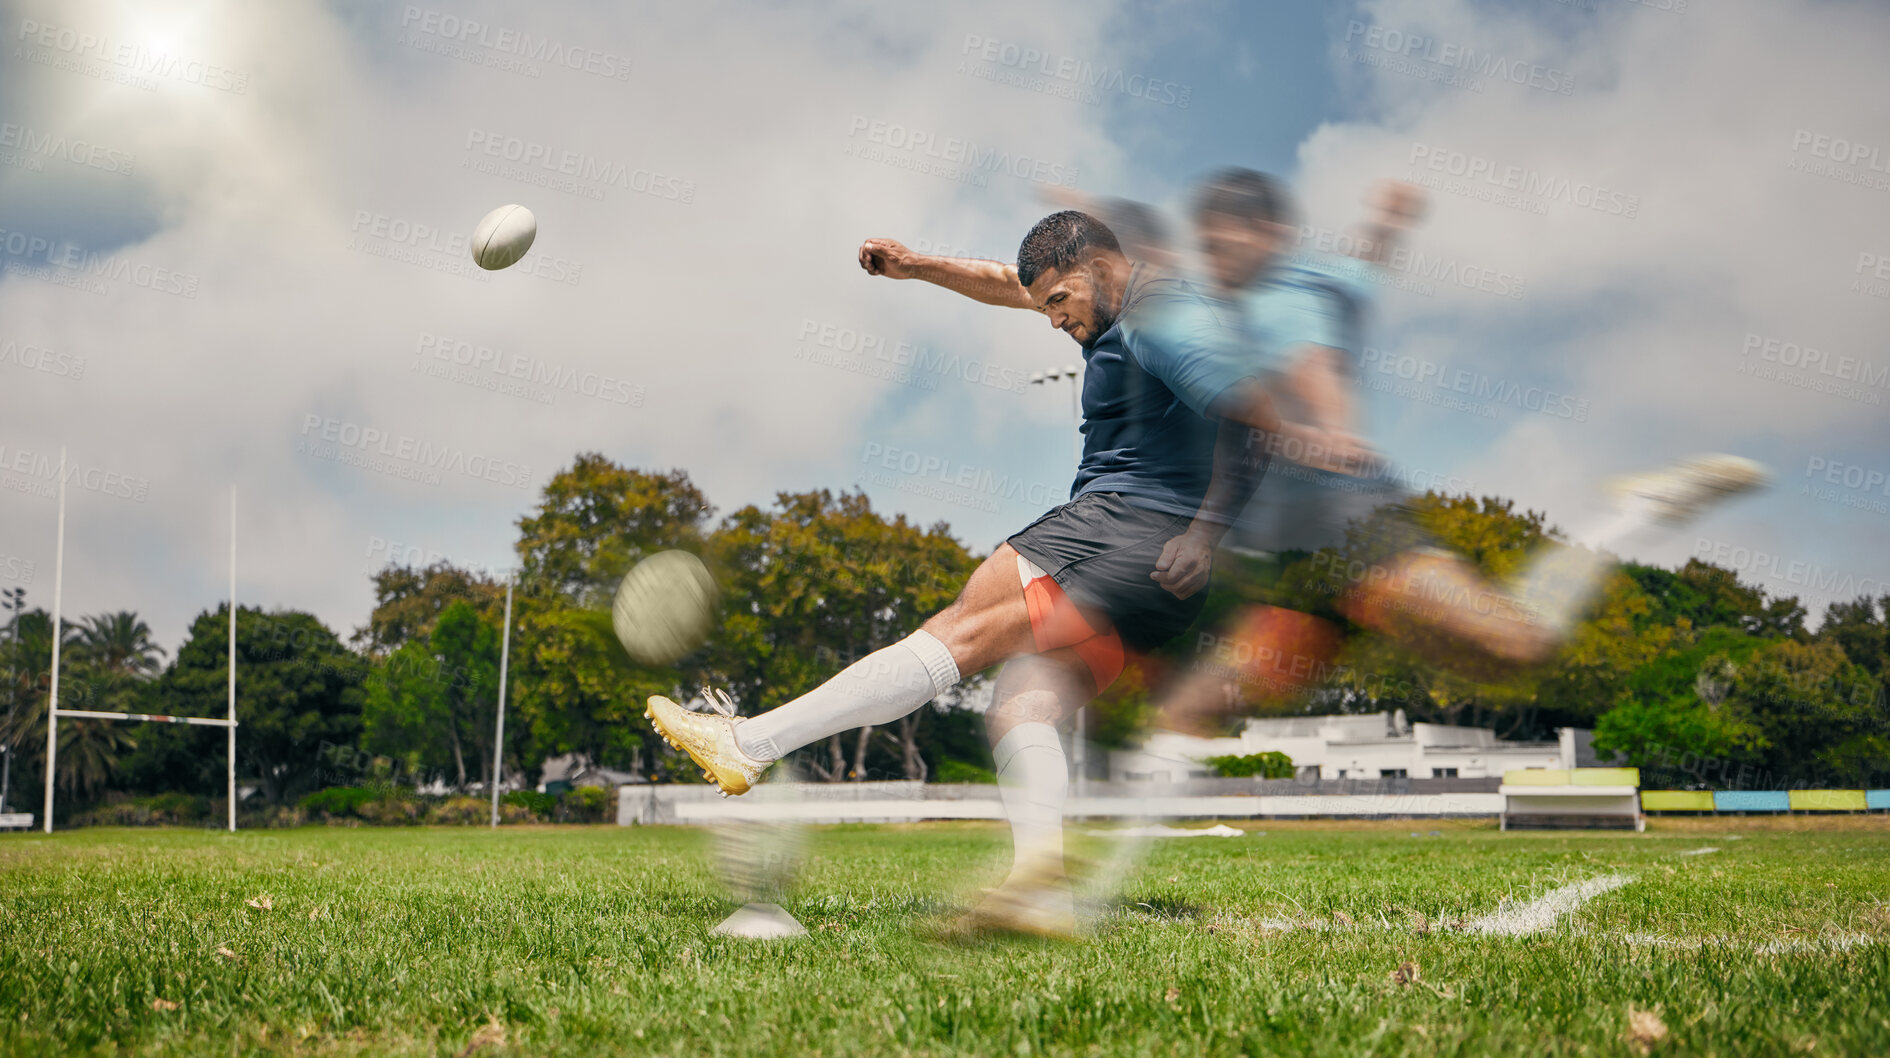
(1393, 208)
(990, 282)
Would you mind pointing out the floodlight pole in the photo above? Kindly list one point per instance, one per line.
(498, 739)
(232, 728)
(1079, 748)
(52, 705)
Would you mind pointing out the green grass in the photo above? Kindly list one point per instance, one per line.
(594, 941)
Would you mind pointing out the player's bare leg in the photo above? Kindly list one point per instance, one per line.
(1440, 605)
(1268, 656)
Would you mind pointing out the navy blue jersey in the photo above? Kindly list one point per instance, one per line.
(1148, 383)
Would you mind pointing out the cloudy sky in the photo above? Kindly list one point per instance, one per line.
(233, 240)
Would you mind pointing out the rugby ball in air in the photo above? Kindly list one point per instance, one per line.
(665, 607)
(503, 237)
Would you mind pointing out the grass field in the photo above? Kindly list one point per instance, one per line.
(594, 941)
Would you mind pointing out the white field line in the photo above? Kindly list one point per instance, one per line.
(1835, 942)
(1830, 942)
(1541, 914)
(1699, 852)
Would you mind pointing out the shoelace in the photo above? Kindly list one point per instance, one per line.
(719, 701)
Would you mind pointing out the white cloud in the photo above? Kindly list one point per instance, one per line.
(257, 196)
(1690, 120)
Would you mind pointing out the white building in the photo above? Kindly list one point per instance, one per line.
(1363, 746)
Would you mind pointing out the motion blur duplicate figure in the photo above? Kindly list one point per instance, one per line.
(1304, 318)
(1119, 567)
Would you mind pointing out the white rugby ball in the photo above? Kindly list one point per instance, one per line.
(503, 237)
(665, 607)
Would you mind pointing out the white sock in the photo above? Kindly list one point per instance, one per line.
(1559, 585)
(877, 689)
(1033, 782)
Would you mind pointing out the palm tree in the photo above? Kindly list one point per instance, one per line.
(108, 656)
(120, 644)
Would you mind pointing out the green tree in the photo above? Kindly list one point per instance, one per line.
(575, 689)
(596, 520)
(120, 643)
(408, 601)
(298, 690)
(821, 580)
(403, 715)
(467, 649)
(1861, 628)
(1823, 716)
(1707, 596)
(89, 749)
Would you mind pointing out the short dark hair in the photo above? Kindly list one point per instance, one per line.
(1058, 241)
(1244, 194)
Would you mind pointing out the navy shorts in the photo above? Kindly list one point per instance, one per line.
(1100, 549)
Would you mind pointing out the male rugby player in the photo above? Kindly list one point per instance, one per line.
(1301, 330)
(1073, 590)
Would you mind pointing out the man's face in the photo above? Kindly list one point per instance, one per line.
(1076, 300)
(1237, 249)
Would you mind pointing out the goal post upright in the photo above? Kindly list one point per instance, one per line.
(232, 727)
(498, 737)
(52, 703)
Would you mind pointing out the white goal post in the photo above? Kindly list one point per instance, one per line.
(54, 712)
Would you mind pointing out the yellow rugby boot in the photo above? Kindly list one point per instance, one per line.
(709, 739)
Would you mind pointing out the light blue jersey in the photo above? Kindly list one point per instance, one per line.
(1306, 300)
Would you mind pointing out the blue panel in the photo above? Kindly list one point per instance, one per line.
(1872, 798)
(1752, 801)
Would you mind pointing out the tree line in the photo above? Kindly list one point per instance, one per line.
(1688, 673)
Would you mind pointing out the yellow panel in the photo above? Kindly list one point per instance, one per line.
(1606, 777)
(1828, 800)
(1536, 777)
(1677, 800)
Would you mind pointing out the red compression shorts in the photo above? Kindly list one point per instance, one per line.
(1055, 622)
